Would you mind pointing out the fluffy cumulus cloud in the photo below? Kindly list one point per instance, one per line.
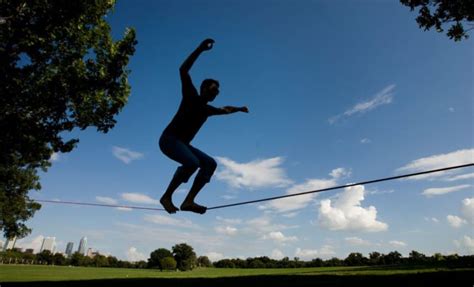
(383, 97)
(227, 230)
(346, 212)
(466, 245)
(277, 254)
(126, 155)
(134, 255)
(458, 157)
(279, 237)
(397, 243)
(455, 221)
(356, 241)
(106, 200)
(443, 190)
(139, 198)
(256, 174)
(168, 220)
(214, 256)
(467, 209)
(324, 252)
(297, 202)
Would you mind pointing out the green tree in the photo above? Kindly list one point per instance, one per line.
(168, 263)
(45, 257)
(156, 256)
(60, 69)
(375, 258)
(184, 256)
(77, 259)
(355, 259)
(436, 13)
(203, 261)
(59, 259)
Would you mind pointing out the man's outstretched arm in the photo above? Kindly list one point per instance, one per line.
(188, 63)
(229, 110)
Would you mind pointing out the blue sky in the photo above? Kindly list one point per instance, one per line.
(338, 92)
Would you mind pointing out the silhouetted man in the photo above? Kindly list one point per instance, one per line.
(175, 142)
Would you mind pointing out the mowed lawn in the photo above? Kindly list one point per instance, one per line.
(34, 275)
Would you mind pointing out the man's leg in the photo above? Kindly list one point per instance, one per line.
(178, 151)
(207, 167)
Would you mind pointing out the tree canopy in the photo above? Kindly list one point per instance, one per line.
(60, 69)
(436, 13)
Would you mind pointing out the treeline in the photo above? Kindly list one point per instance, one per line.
(353, 259)
(77, 259)
(182, 257)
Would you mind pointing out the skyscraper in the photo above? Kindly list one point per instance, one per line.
(69, 247)
(10, 244)
(82, 246)
(49, 243)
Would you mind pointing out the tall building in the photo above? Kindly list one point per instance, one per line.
(82, 246)
(69, 247)
(49, 243)
(10, 244)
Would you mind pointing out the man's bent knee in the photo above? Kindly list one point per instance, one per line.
(183, 173)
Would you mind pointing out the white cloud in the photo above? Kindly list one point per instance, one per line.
(383, 97)
(279, 237)
(443, 190)
(214, 256)
(365, 141)
(54, 157)
(458, 157)
(168, 220)
(455, 221)
(124, 208)
(255, 174)
(134, 255)
(346, 212)
(227, 230)
(461, 177)
(397, 244)
(139, 198)
(306, 254)
(106, 200)
(325, 251)
(126, 155)
(356, 241)
(229, 220)
(467, 209)
(340, 172)
(301, 201)
(433, 219)
(277, 254)
(466, 244)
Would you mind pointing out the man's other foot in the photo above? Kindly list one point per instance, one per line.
(168, 205)
(193, 207)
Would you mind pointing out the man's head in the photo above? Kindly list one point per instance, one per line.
(209, 89)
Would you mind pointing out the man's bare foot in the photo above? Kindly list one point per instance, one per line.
(168, 205)
(193, 207)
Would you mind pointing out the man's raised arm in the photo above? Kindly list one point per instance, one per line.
(188, 63)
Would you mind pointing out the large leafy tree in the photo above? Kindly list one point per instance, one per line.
(157, 256)
(185, 256)
(60, 69)
(436, 13)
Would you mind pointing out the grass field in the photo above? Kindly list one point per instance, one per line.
(34, 275)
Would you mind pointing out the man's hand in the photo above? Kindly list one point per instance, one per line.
(206, 45)
(244, 109)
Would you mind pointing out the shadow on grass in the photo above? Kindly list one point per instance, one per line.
(441, 278)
